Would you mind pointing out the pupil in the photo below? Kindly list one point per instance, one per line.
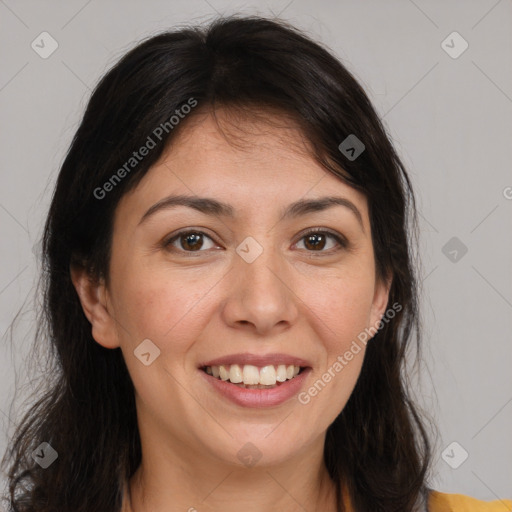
(194, 238)
(315, 241)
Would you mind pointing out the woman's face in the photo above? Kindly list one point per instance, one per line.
(248, 281)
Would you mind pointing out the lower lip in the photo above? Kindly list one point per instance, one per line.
(258, 398)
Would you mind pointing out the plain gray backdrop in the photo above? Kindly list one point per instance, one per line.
(448, 110)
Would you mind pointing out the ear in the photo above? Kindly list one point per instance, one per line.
(93, 296)
(380, 300)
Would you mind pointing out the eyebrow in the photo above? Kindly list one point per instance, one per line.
(217, 208)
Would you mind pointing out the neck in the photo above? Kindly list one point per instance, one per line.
(171, 485)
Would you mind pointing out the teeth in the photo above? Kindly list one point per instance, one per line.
(235, 374)
(281, 373)
(268, 375)
(223, 373)
(250, 375)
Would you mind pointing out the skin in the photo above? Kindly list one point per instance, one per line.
(199, 305)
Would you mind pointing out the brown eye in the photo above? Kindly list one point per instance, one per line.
(316, 241)
(192, 241)
(189, 241)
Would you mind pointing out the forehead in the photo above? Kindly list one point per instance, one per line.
(240, 136)
(246, 159)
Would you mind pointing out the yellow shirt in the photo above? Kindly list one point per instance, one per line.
(441, 502)
(438, 502)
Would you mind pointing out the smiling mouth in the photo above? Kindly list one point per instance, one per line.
(254, 377)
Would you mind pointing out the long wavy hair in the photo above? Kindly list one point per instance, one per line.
(377, 448)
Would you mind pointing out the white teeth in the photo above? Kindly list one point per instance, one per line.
(235, 374)
(268, 376)
(281, 373)
(223, 373)
(250, 375)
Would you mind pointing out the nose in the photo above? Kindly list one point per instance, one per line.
(260, 296)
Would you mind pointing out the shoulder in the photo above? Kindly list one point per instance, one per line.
(441, 502)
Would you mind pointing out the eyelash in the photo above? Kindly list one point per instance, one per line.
(342, 242)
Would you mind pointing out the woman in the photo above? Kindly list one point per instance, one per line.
(229, 292)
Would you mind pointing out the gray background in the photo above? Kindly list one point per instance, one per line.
(450, 119)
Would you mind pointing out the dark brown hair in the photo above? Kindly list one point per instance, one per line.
(377, 446)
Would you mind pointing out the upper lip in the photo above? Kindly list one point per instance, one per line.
(257, 360)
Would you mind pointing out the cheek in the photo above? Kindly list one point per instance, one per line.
(342, 313)
(343, 306)
(163, 307)
(342, 309)
(172, 316)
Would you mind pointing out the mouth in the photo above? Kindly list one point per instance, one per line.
(258, 387)
(250, 376)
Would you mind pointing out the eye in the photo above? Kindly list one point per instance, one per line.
(316, 240)
(189, 241)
